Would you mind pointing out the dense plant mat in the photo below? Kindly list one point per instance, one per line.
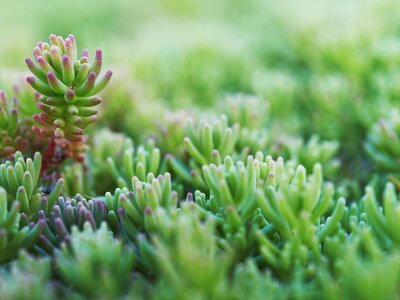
(272, 174)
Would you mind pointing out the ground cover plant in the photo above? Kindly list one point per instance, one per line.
(210, 150)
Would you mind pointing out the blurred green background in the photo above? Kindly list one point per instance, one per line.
(323, 66)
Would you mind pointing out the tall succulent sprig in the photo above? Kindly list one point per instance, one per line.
(68, 85)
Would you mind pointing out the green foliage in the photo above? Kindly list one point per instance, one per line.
(372, 277)
(27, 277)
(171, 131)
(315, 151)
(205, 143)
(184, 245)
(202, 178)
(15, 233)
(383, 143)
(204, 72)
(21, 182)
(137, 208)
(95, 263)
(12, 132)
(247, 110)
(76, 180)
(383, 220)
(233, 199)
(146, 159)
(66, 213)
(296, 210)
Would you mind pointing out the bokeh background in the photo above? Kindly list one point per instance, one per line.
(323, 67)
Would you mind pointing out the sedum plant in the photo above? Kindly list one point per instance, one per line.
(140, 162)
(197, 195)
(105, 144)
(77, 179)
(65, 214)
(171, 131)
(382, 144)
(315, 151)
(14, 234)
(247, 110)
(205, 143)
(27, 277)
(94, 263)
(296, 211)
(383, 219)
(21, 181)
(12, 131)
(68, 85)
(184, 245)
(136, 209)
(232, 199)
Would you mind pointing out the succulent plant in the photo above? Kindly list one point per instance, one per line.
(103, 263)
(27, 277)
(297, 204)
(12, 131)
(383, 220)
(68, 85)
(250, 166)
(382, 144)
(136, 207)
(14, 234)
(183, 245)
(205, 143)
(104, 144)
(171, 131)
(247, 110)
(64, 215)
(140, 162)
(316, 151)
(21, 181)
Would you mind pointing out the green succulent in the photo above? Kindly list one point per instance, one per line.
(64, 215)
(27, 277)
(136, 207)
(299, 223)
(15, 232)
(383, 145)
(12, 132)
(140, 162)
(104, 265)
(21, 180)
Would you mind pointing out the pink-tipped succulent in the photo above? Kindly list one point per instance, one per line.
(68, 85)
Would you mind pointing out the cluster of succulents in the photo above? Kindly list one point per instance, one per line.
(219, 202)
